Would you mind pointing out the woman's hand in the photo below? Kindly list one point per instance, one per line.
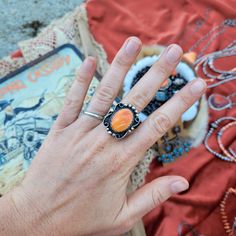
(77, 183)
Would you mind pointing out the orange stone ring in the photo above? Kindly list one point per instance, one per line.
(122, 120)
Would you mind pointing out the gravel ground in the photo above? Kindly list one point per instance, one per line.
(22, 19)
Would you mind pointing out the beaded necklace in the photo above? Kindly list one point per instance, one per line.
(219, 136)
(230, 231)
(214, 126)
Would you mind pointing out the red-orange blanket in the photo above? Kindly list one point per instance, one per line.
(183, 22)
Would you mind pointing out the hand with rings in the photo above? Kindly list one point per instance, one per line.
(77, 182)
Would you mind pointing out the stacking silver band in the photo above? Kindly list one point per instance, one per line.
(94, 115)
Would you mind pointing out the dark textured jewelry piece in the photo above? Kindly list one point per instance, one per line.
(122, 120)
(173, 148)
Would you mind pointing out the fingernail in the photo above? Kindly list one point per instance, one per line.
(132, 46)
(179, 186)
(88, 64)
(173, 53)
(198, 86)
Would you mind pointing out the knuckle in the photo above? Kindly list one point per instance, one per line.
(105, 93)
(119, 160)
(117, 163)
(160, 123)
(139, 100)
(81, 77)
(127, 152)
(162, 69)
(121, 60)
(127, 224)
(157, 197)
(96, 148)
(70, 103)
(184, 99)
(99, 145)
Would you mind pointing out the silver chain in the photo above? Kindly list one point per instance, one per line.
(212, 35)
(208, 61)
(230, 50)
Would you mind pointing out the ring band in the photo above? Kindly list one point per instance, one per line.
(122, 120)
(94, 115)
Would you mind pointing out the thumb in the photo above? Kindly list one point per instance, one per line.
(153, 194)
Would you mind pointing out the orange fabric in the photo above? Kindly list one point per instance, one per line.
(165, 22)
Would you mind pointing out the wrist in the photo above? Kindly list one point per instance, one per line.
(11, 221)
(21, 217)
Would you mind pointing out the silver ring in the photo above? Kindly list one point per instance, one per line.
(94, 115)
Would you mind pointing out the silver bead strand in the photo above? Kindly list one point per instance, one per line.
(214, 126)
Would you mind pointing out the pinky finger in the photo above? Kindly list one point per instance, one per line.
(75, 97)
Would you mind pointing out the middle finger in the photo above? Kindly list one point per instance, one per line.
(112, 81)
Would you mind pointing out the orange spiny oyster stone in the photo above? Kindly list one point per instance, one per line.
(122, 120)
(164, 83)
